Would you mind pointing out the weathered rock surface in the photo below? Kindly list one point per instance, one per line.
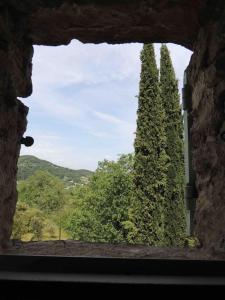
(196, 24)
(77, 248)
(207, 79)
(15, 80)
(12, 127)
(57, 22)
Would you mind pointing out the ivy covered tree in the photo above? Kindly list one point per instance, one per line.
(150, 163)
(174, 206)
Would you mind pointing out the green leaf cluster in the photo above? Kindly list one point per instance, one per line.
(158, 209)
(44, 191)
(41, 199)
(175, 221)
(28, 221)
(150, 163)
(101, 207)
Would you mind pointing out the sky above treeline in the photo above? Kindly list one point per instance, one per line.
(84, 101)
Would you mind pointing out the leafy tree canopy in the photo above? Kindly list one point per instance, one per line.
(44, 191)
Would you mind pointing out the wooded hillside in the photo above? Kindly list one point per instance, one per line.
(28, 165)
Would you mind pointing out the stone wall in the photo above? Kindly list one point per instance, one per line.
(49, 22)
(195, 24)
(15, 80)
(206, 76)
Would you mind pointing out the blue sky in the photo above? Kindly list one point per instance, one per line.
(83, 106)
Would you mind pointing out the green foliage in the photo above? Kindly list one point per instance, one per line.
(41, 198)
(101, 207)
(44, 191)
(28, 221)
(28, 165)
(97, 211)
(150, 163)
(191, 242)
(32, 224)
(175, 223)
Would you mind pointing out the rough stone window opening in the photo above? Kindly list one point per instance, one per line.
(194, 25)
(103, 197)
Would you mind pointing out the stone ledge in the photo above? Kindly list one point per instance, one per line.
(82, 249)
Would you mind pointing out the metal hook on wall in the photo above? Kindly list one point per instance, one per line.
(27, 141)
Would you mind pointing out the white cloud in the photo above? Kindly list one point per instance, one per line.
(121, 128)
(109, 118)
(59, 107)
(100, 134)
(84, 64)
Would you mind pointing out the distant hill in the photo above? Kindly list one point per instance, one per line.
(28, 165)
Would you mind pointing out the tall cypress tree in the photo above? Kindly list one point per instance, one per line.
(150, 157)
(174, 206)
